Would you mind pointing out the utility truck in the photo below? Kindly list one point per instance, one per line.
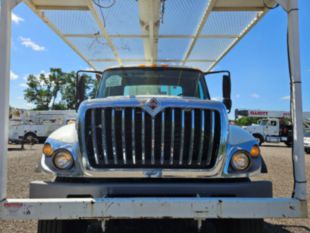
(35, 126)
(157, 131)
(273, 126)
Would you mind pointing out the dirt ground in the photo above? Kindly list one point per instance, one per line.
(22, 170)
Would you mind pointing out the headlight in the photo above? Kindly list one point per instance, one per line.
(240, 161)
(63, 159)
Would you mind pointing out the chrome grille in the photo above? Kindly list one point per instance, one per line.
(129, 137)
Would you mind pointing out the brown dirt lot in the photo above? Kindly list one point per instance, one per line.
(22, 166)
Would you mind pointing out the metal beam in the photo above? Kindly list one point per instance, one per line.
(62, 8)
(137, 36)
(149, 12)
(40, 14)
(5, 54)
(199, 29)
(242, 5)
(103, 30)
(152, 208)
(143, 60)
(60, 4)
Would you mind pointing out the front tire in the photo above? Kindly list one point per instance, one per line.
(30, 138)
(259, 139)
(288, 144)
(62, 226)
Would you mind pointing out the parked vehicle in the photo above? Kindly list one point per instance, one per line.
(275, 126)
(307, 142)
(159, 133)
(35, 126)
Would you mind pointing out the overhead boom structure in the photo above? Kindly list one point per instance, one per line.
(190, 33)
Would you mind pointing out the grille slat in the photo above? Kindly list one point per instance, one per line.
(172, 135)
(94, 135)
(192, 136)
(153, 142)
(113, 136)
(211, 138)
(129, 137)
(133, 144)
(103, 137)
(182, 137)
(162, 155)
(123, 137)
(202, 137)
(143, 137)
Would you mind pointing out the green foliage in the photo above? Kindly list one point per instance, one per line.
(245, 121)
(55, 90)
(42, 90)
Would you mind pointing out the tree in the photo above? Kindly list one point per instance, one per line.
(245, 121)
(56, 90)
(68, 90)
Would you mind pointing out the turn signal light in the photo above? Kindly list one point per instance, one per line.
(255, 151)
(47, 149)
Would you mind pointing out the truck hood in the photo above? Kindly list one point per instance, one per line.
(140, 100)
(238, 135)
(65, 134)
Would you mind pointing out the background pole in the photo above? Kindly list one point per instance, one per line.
(300, 189)
(5, 47)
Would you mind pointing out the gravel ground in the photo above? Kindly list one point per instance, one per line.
(22, 165)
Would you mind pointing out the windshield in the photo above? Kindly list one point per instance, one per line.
(264, 122)
(153, 81)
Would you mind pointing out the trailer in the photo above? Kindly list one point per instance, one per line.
(148, 16)
(273, 126)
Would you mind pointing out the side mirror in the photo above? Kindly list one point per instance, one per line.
(226, 86)
(80, 90)
(227, 92)
(83, 84)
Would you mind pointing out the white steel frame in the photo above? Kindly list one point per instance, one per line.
(196, 208)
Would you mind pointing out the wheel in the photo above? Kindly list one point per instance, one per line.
(307, 150)
(62, 226)
(288, 144)
(259, 138)
(240, 226)
(30, 138)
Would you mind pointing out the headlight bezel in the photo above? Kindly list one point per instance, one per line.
(67, 152)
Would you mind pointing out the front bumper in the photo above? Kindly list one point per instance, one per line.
(150, 188)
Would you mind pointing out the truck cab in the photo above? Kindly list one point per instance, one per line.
(271, 130)
(270, 126)
(152, 131)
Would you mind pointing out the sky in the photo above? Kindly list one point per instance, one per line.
(258, 63)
